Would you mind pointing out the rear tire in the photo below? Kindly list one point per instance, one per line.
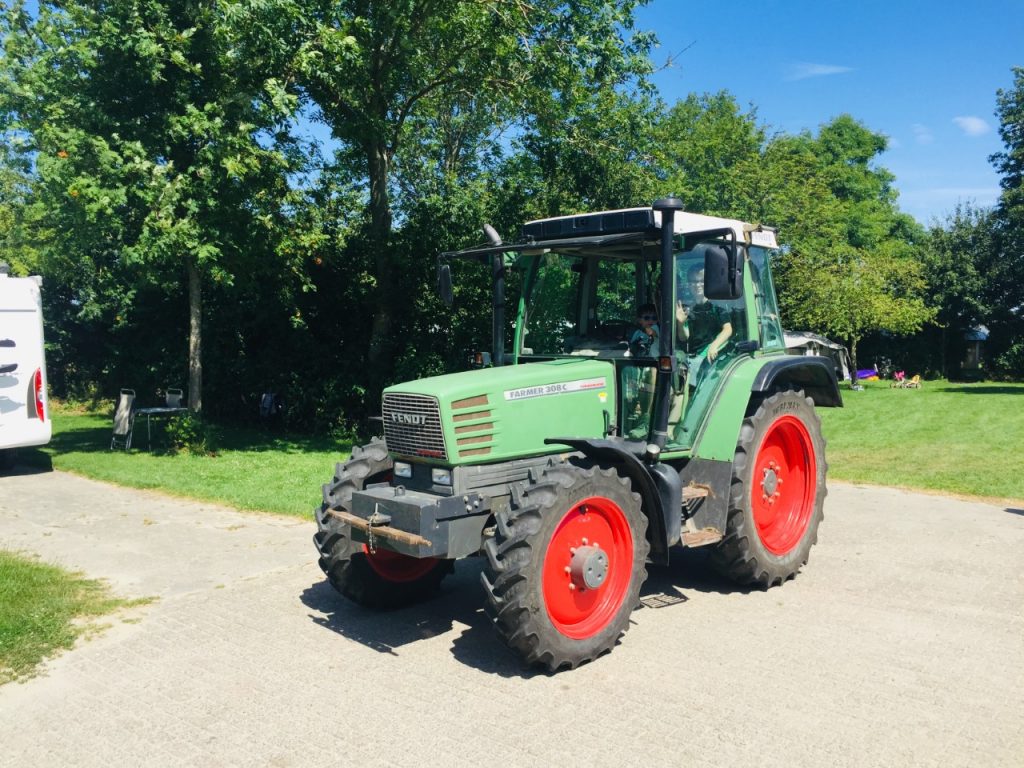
(8, 458)
(383, 579)
(566, 565)
(777, 495)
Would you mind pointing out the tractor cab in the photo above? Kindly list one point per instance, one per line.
(585, 280)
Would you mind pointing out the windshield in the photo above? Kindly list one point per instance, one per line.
(580, 304)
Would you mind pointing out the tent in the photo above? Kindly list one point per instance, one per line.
(806, 343)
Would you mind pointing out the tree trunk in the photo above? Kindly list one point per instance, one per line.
(380, 239)
(853, 357)
(945, 351)
(195, 336)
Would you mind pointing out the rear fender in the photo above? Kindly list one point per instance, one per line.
(659, 487)
(816, 376)
(752, 381)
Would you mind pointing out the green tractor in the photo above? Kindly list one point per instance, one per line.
(647, 402)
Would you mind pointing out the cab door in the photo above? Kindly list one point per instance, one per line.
(707, 344)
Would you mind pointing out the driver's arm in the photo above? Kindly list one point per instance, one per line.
(682, 326)
(719, 341)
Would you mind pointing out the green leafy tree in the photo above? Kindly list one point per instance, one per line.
(16, 246)
(708, 151)
(1010, 161)
(392, 78)
(1005, 288)
(852, 264)
(849, 292)
(160, 152)
(957, 257)
(599, 156)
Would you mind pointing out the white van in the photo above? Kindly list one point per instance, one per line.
(24, 414)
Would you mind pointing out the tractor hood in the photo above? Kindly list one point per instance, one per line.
(495, 414)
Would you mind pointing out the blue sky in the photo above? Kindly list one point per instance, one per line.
(925, 74)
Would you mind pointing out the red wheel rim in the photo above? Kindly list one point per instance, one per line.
(597, 527)
(396, 567)
(784, 485)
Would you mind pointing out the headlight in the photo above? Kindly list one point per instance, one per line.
(402, 469)
(441, 476)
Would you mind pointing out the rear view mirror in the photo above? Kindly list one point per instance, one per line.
(444, 284)
(723, 272)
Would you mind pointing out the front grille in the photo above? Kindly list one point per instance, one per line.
(412, 426)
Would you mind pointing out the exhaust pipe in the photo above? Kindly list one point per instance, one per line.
(667, 364)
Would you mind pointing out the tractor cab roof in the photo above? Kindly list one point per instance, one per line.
(618, 231)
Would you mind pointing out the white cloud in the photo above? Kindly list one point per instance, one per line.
(972, 126)
(922, 133)
(804, 70)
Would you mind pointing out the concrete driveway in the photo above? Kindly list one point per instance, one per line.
(901, 644)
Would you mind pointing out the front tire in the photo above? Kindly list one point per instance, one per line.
(777, 495)
(566, 565)
(382, 579)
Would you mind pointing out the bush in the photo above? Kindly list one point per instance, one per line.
(1010, 364)
(190, 434)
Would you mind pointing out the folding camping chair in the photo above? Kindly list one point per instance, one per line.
(173, 397)
(124, 420)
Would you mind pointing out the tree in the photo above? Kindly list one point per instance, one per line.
(851, 265)
(707, 150)
(386, 75)
(16, 247)
(600, 156)
(1010, 161)
(957, 256)
(1005, 288)
(158, 149)
(852, 292)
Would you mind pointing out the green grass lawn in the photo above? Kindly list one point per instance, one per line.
(949, 437)
(952, 437)
(956, 438)
(252, 469)
(43, 609)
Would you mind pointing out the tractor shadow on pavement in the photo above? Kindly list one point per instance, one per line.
(690, 570)
(457, 606)
(382, 631)
(457, 609)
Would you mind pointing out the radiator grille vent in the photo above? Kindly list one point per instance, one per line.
(412, 426)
